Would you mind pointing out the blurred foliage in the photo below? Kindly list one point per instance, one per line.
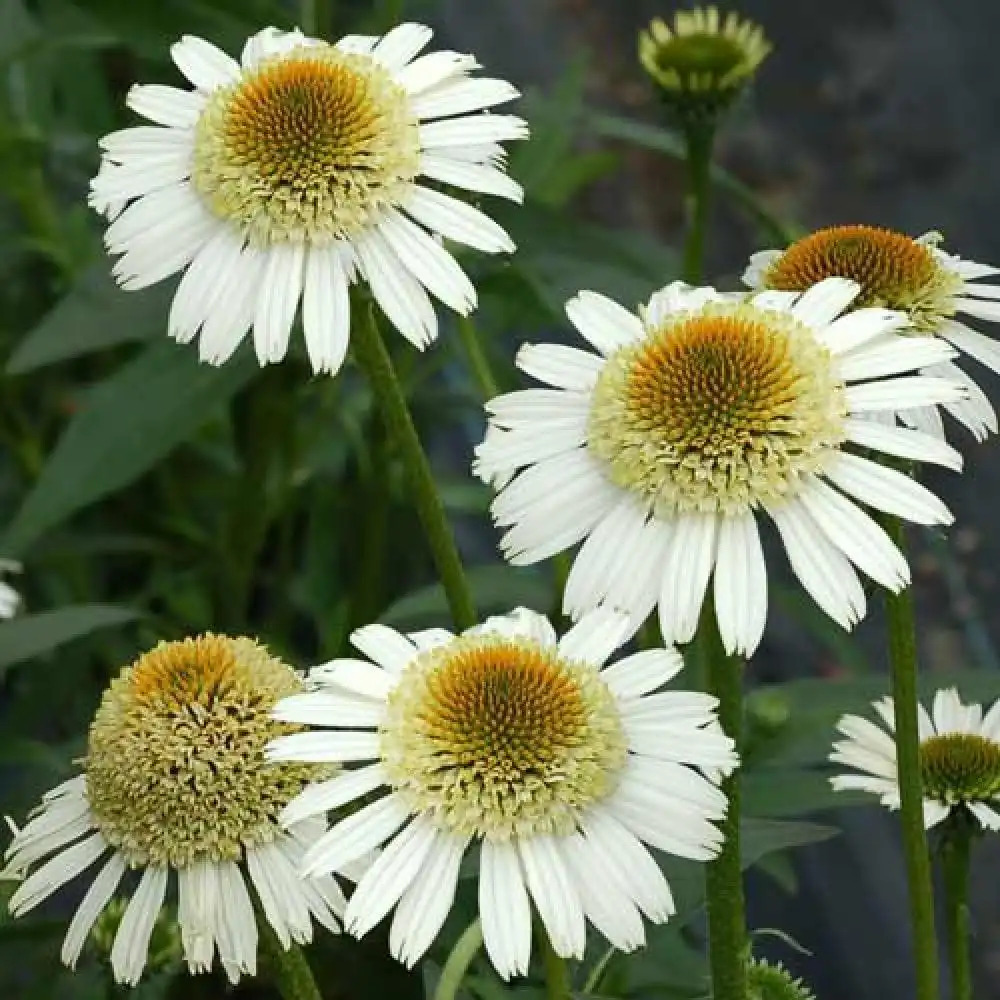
(151, 497)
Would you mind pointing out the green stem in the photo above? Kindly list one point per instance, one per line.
(461, 957)
(903, 665)
(288, 969)
(371, 354)
(699, 162)
(724, 876)
(955, 861)
(557, 982)
(314, 16)
(478, 362)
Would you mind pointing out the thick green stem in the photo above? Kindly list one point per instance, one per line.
(955, 861)
(479, 364)
(314, 17)
(371, 354)
(461, 957)
(696, 199)
(724, 876)
(288, 969)
(903, 667)
(557, 981)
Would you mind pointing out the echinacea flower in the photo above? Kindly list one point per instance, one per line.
(10, 599)
(959, 758)
(661, 451)
(304, 167)
(702, 60)
(914, 276)
(558, 768)
(175, 782)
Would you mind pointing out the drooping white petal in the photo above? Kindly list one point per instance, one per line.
(858, 328)
(397, 47)
(321, 797)
(740, 584)
(483, 178)
(979, 308)
(324, 747)
(890, 356)
(472, 130)
(55, 873)
(504, 908)
(825, 300)
(281, 289)
(359, 677)
(356, 835)
(640, 673)
(903, 443)
(460, 95)
(97, 897)
(456, 220)
(433, 68)
(329, 707)
(984, 349)
(690, 558)
(551, 887)
(596, 636)
(326, 309)
(131, 944)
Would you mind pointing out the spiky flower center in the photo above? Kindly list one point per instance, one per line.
(960, 767)
(701, 51)
(893, 270)
(496, 736)
(719, 410)
(175, 765)
(307, 146)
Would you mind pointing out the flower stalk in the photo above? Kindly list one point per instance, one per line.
(557, 981)
(700, 138)
(288, 969)
(457, 964)
(955, 863)
(903, 666)
(371, 354)
(724, 876)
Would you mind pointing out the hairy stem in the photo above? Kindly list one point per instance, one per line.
(288, 969)
(457, 965)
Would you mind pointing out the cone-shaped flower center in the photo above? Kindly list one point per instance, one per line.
(893, 270)
(960, 767)
(719, 410)
(496, 737)
(175, 766)
(306, 146)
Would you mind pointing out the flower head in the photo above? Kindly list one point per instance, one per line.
(10, 599)
(914, 276)
(174, 780)
(560, 769)
(287, 176)
(661, 451)
(959, 758)
(702, 61)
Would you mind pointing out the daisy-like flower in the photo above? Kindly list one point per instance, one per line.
(175, 781)
(959, 758)
(703, 60)
(557, 768)
(10, 599)
(661, 450)
(303, 168)
(915, 276)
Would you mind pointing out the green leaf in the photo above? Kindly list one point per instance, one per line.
(27, 636)
(125, 426)
(94, 315)
(783, 791)
(759, 837)
(496, 589)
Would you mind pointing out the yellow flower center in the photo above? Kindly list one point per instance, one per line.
(720, 410)
(497, 737)
(175, 765)
(308, 146)
(960, 767)
(893, 270)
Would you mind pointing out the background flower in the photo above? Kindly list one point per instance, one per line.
(959, 758)
(559, 768)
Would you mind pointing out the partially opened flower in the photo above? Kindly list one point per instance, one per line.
(959, 758)
(304, 167)
(701, 60)
(10, 599)
(524, 745)
(662, 450)
(914, 276)
(175, 782)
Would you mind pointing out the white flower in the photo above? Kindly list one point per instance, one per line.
(661, 451)
(915, 276)
(959, 758)
(10, 599)
(519, 742)
(175, 782)
(293, 173)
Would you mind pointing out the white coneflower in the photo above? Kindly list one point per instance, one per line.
(10, 599)
(302, 168)
(506, 737)
(175, 781)
(662, 450)
(914, 276)
(959, 758)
